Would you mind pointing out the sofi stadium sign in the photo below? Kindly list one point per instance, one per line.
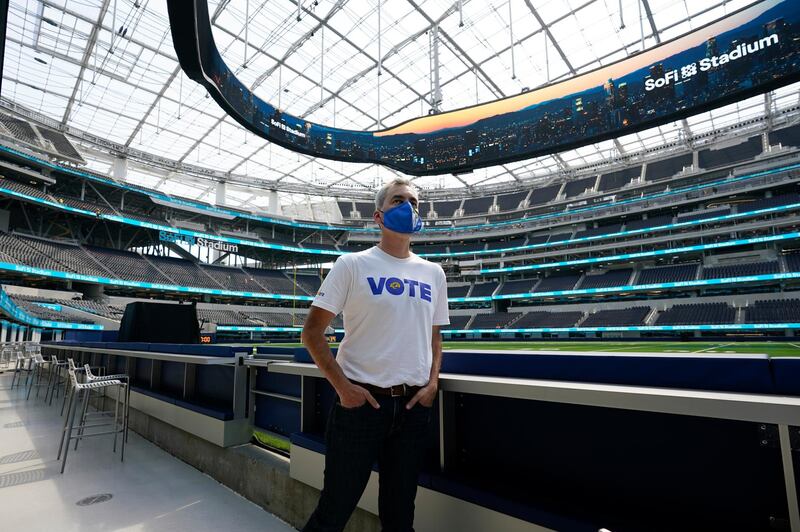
(166, 236)
(750, 51)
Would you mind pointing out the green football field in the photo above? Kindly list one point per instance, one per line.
(773, 349)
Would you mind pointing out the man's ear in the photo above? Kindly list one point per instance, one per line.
(376, 217)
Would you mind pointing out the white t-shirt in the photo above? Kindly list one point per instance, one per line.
(390, 306)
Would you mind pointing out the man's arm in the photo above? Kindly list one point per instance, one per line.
(313, 338)
(427, 394)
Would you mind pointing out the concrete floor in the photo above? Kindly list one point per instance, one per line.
(151, 490)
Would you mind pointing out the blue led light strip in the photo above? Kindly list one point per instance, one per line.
(641, 254)
(633, 288)
(629, 201)
(138, 284)
(167, 228)
(322, 227)
(179, 201)
(232, 240)
(256, 328)
(642, 328)
(526, 295)
(656, 229)
(313, 251)
(724, 327)
(7, 304)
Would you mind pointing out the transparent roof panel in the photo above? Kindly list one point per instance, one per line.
(110, 70)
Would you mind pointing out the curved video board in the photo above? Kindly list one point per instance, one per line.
(750, 51)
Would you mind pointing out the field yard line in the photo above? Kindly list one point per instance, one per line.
(713, 347)
(795, 345)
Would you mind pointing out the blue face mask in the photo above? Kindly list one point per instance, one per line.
(403, 218)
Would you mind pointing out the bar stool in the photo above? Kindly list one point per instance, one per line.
(79, 393)
(22, 361)
(56, 378)
(71, 363)
(6, 355)
(35, 368)
(90, 377)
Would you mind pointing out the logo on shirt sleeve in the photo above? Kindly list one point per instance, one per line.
(397, 287)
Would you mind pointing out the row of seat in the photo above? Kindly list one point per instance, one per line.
(109, 263)
(623, 277)
(772, 311)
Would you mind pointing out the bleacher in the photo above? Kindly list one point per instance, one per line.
(702, 215)
(458, 322)
(697, 314)
(668, 274)
(183, 272)
(272, 281)
(597, 231)
(276, 319)
(620, 277)
(544, 194)
(418, 249)
(774, 311)
(745, 151)
(541, 239)
(766, 203)
(223, 317)
(16, 186)
(445, 209)
(365, 210)
(560, 237)
(617, 317)
(128, 265)
(457, 291)
(535, 319)
(478, 205)
(521, 286)
(618, 179)
(494, 320)
(231, 278)
(578, 187)
(508, 243)
(741, 269)
(558, 282)
(793, 261)
(654, 221)
(308, 283)
(484, 289)
(787, 136)
(19, 129)
(510, 202)
(667, 167)
(60, 143)
(345, 207)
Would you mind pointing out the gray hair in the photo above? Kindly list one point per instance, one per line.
(380, 197)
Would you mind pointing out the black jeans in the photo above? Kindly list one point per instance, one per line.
(358, 437)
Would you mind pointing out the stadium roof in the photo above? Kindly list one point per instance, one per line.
(108, 68)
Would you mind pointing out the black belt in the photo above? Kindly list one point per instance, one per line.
(399, 390)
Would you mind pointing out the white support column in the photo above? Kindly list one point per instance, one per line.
(4, 331)
(274, 204)
(120, 169)
(36, 336)
(221, 193)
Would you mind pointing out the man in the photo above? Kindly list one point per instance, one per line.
(387, 369)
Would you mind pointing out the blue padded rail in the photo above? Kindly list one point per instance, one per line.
(749, 374)
(225, 351)
(744, 374)
(786, 373)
